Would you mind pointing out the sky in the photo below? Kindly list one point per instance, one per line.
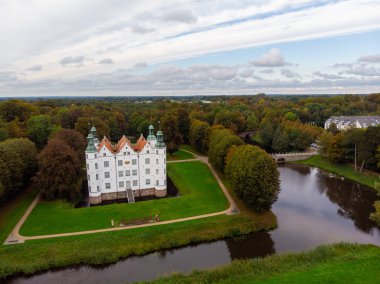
(193, 47)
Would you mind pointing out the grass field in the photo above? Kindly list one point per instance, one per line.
(179, 155)
(200, 195)
(342, 170)
(340, 263)
(12, 211)
(109, 247)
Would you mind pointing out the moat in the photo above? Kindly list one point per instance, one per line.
(314, 207)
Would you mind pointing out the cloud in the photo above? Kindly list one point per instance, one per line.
(374, 58)
(67, 60)
(35, 68)
(273, 58)
(138, 29)
(6, 76)
(328, 76)
(342, 65)
(290, 74)
(141, 65)
(363, 70)
(106, 61)
(179, 16)
(267, 71)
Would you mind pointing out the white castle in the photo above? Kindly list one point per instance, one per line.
(125, 170)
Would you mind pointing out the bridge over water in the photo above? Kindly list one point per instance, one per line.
(289, 157)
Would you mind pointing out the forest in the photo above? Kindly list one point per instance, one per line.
(38, 134)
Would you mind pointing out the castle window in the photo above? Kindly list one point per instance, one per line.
(129, 152)
(120, 173)
(97, 177)
(124, 153)
(96, 166)
(147, 171)
(108, 185)
(119, 163)
(121, 184)
(89, 188)
(157, 161)
(127, 173)
(156, 182)
(88, 177)
(134, 161)
(147, 161)
(98, 189)
(86, 156)
(104, 154)
(157, 152)
(106, 164)
(147, 181)
(135, 183)
(88, 167)
(134, 172)
(106, 174)
(147, 151)
(96, 156)
(156, 171)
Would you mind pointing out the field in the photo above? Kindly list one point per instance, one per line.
(199, 196)
(347, 171)
(340, 263)
(179, 155)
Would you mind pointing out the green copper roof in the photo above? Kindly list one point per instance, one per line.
(90, 144)
(151, 136)
(160, 140)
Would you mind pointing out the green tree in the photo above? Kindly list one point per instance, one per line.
(252, 122)
(280, 140)
(375, 216)
(290, 116)
(254, 177)
(12, 109)
(39, 129)
(197, 133)
(267, 134)
(60, 173)
(172, 134)
(220, 143)
(206, 139)
(303, 141)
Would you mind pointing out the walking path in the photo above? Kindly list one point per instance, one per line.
(15, 237)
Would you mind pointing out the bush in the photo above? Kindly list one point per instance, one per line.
(254, 177)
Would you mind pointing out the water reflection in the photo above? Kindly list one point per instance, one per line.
(313, 208)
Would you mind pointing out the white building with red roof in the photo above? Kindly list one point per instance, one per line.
(126, 170)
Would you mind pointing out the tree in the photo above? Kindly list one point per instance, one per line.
(206, 139)
(303, 141)
(74, 139)
(290, 116)
(39, 129)
(375, 216)
(197, 133)
(267, 133)
(83, 125)
(325, 142)
(378, 156)
(220, 143)
(333, 128)
(252, 122)
(60, 173)
(12, 109)
(17, 164)
(172, 134)
(254, 177)
(280, 140)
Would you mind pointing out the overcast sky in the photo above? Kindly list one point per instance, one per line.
(121, 47)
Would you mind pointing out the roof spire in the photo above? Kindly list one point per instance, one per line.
(151, 136)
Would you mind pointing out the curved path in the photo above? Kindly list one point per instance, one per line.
(15, 237)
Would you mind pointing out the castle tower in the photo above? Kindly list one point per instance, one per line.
(151, 137)
(160, 185)
(92, 171)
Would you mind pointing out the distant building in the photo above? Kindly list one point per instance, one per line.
(345, 122)
(125, 170)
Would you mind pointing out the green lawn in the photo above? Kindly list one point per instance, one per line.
(179, 155)
(190, 148)
(340, 263)
(12, 211)
(342, 170)
(200, 195)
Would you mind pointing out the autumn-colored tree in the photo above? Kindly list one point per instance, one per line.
(206, 139)
(74, 139)
(83, 125)
(197, 133)
(172, 133)
(59, 171)
(220, 143)
(254, 177)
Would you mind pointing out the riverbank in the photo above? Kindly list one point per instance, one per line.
(343, 170)
(107, 248)
(339, 263)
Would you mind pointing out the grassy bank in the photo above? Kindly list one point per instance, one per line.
(342, 170)
(105, 248)
(12, 211)
(179, 155)
(199, 196)
(340, 263)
